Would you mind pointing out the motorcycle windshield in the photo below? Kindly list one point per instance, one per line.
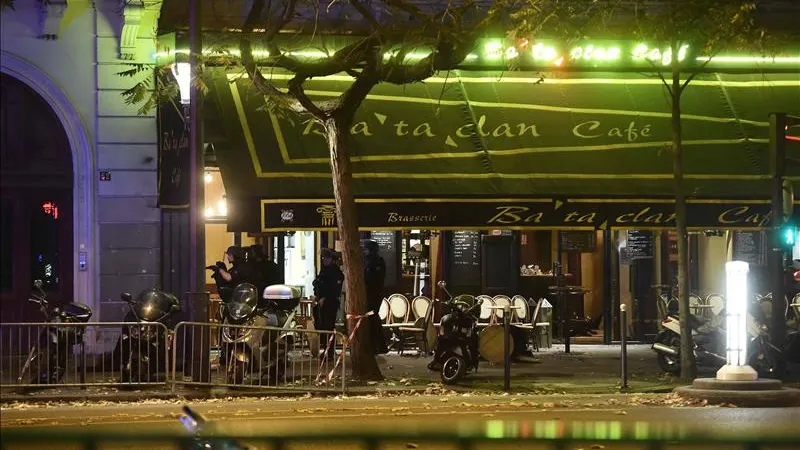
(244, 301)
(151, 305)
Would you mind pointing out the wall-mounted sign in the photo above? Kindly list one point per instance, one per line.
(105, 175)
(586, 214)
(174, 156)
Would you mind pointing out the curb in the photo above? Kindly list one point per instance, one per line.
(205, 394)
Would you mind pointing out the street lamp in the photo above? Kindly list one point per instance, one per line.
(736, 368)
(183, 74)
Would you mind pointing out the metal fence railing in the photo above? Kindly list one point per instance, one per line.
(45, 355)
(259, 357)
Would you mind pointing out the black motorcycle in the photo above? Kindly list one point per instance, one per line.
(251, 351)
(456, 351)
(48, 356)
(144, 348)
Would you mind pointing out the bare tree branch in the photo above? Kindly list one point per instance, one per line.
(341, 61)
(249, 63)
(366, 14)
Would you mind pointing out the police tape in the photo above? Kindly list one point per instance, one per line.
(340, 358)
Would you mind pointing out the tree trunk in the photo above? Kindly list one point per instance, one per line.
(688, 365)
(363, 362)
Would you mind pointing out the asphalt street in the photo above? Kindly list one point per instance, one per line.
(601, 419)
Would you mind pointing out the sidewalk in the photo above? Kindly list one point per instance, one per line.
(588, 369)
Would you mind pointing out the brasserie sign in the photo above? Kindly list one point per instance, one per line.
(515, 214)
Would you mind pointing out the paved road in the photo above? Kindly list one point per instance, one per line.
(593, 417)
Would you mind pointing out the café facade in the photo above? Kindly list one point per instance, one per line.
(485, 177)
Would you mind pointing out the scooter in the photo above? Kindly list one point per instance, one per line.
(763, 319)
(194, 423)
(143, 348)
(49, 354)
(251, 351)
(456, 351)
(709, 343)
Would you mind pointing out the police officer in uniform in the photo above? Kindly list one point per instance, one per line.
(327, 290)
(374, 276)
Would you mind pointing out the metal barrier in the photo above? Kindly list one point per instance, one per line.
(40, 355)
(259, 357)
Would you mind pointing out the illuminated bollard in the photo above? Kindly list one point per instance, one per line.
(736, 368)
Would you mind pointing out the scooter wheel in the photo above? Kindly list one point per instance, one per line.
(453, 369)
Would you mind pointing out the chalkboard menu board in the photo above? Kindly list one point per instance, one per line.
(577, 241)
(465, 258)
(638, 245)
(387, 241)
(751, 247)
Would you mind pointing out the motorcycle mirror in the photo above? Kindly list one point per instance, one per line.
(38, 284)
(442, 284)
(126, 297)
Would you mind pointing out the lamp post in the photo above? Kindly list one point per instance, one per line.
(736, 368)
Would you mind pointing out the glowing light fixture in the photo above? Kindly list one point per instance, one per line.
(543, 52)
(209, 212)
(736, 296)
(750, 59)
(208, 178)
(183, 73)
(222, 207)
(493, 50)
(51, 209)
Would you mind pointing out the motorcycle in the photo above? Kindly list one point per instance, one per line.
(456, 351)
(194, 423)
(763, 320)
(251, 351)
(709, 343)
(143, 348)
(49, 353)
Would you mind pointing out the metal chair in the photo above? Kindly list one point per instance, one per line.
(422, 332)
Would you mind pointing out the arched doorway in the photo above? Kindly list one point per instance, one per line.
(36, 181)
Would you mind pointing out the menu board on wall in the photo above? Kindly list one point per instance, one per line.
(577, 241)
(751, 247)
(387, 241)
(465, 258)
(639, 244)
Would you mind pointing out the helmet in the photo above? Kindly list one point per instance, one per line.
(370, 245)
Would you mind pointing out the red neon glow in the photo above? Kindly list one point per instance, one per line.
(793, 138)
(50, 208)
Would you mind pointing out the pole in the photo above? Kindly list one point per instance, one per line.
(507, 348)
(777, 127)
(197, 254)
(608, 319)
(623, 335)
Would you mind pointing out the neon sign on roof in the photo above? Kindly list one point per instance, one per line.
(545, 53)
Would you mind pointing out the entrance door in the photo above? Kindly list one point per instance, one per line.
(36, 195)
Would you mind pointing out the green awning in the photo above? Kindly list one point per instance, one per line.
(474, 135)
